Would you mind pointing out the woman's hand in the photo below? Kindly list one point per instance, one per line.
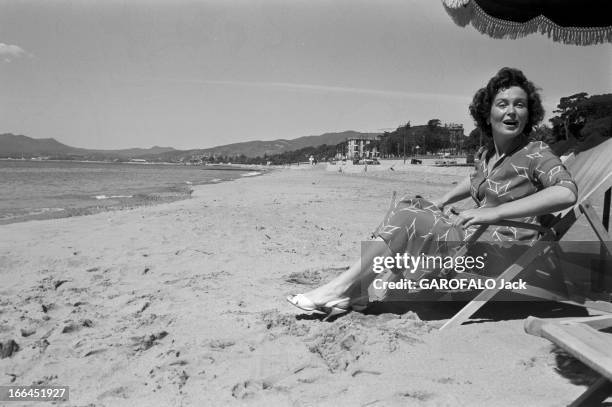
(470, 217)
(548, 200)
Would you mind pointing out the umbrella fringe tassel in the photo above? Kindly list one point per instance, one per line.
(498, 28)
(455, 3)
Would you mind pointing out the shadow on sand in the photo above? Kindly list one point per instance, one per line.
(492, 311)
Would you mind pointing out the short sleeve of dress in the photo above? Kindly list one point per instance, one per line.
(548, 170)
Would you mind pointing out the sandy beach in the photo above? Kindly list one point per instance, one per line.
(183, 304)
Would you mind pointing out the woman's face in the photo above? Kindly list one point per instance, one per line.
(509, 113)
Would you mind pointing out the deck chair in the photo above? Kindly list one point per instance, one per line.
(592, 170)
(581, 338)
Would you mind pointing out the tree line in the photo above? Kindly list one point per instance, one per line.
(320, 153)
(408, 140)
(578, 118)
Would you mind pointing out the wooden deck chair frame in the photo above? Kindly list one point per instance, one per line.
(586, 169)
(581, 338)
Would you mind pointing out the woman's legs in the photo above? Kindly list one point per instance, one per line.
(412, 227)
(354, 281)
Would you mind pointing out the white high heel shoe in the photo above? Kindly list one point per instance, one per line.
(302, 302)
(346, 304)
(330, 308)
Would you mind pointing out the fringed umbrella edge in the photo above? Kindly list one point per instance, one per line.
(461, 10)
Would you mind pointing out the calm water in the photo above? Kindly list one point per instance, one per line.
(52, 189)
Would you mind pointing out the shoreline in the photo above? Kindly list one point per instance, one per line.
(246, 166)
(178, 192)
(183, 303)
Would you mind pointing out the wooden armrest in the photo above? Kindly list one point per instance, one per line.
(580, 340)
(533, 325)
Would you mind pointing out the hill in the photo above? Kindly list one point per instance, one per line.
(17, 146)
(260, 148)
(11, 145)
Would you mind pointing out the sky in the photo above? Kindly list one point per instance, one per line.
(196, 74)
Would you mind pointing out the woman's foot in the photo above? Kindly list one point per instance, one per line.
(304, 303)
(331, 304)
(330, 292)
(346, 304)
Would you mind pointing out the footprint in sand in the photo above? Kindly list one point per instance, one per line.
(75, 326)
(313, 277)
(8, 348)
(245, 390)
(418, 395)
(117, 392)
(142, 343)
(249, 388)
(283, 324)
(25, 332)
(338, 350)
(170, 373)
(220, 344)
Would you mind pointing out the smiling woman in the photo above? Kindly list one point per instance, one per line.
(515, 178)
(509, 113)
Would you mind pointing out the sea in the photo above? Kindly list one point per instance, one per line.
(38, 189)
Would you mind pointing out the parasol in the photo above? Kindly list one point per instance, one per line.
(577, 22)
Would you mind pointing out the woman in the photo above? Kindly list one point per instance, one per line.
(515, 178)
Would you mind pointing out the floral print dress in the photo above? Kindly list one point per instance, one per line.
(416, 226)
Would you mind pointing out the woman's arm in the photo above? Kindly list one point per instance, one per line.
(548, 200)
(461, 191)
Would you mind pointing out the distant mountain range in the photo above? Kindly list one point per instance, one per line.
(17, 146)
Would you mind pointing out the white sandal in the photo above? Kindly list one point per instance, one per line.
(304, 303)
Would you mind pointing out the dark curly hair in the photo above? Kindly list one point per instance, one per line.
(480, 108)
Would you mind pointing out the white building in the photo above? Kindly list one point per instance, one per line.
(357, 148)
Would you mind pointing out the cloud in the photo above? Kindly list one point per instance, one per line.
(10, 52)
(338, 89)
(310, 88)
